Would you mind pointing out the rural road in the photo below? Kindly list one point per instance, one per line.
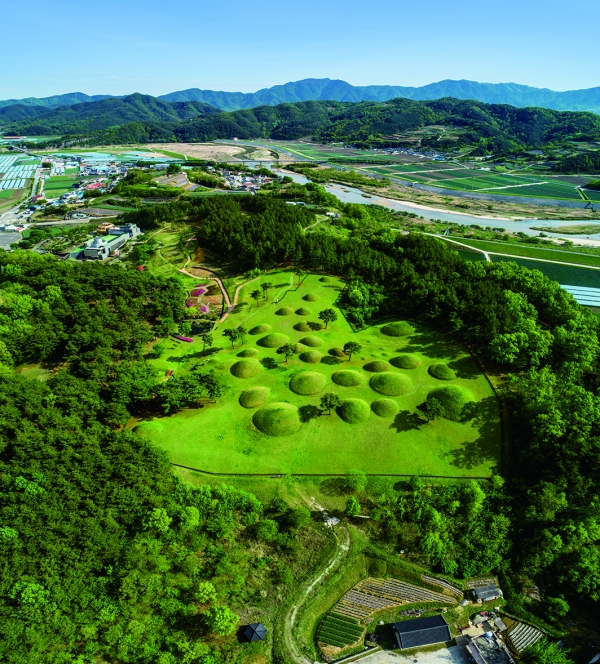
(342, 549)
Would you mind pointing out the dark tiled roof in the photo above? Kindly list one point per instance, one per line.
(422, 632)
(255, 632)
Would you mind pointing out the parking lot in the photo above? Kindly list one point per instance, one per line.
(453, 655)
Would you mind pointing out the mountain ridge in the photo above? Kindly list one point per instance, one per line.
(325, 89)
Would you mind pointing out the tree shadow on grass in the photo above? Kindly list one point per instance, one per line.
(334, 486)
(331, 360)
(177, 358)
(308, 413)
(465, 367)
(315, 327)
(434, 346)
(269, 363)
(406, 421)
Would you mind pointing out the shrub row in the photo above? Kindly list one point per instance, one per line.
(332, 631)
(341, 626)
(343, 618)
(332, 641)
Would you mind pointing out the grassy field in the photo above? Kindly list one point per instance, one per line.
(58, 185)
(6, 193)
(225, 437)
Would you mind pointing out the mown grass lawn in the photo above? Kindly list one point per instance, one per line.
(223, 437)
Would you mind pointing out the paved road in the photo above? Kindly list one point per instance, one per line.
(453, 655)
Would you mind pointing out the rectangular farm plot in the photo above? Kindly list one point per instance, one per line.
(280, 429)
(563, 274)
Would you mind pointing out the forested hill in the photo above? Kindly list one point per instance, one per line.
(82, 118)
(496, 127)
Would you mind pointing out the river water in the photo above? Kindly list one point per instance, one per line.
(349, 194)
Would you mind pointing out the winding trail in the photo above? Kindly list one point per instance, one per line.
(342, 549)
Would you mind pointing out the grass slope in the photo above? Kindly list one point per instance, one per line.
(227, 437)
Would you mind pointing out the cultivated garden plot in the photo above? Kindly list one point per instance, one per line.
(269, 418)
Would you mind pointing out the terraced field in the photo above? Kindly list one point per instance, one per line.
(269, 420)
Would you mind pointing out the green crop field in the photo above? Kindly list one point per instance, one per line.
(593, 195)
(58, 185)
(267, 421)
(6, 193)
(563, 274)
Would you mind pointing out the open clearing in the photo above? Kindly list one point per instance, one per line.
(209, 151)
(278, 428)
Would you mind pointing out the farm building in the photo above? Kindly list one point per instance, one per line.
(486, 593)
(422, 632)
(255, 632)
(488, 650)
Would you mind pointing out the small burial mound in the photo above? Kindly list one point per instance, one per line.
(273, 340)
(302, 327)
(248, 352)
(260, 329)
(299, 348)
(310, 297)
(406, 361)
(311, 356)
(337, 351)
(284, 311)
(453, 399)
(347, 378)
(385, 407)
(377, 366)
(354, 411)
(245, 368)
(277, 419)
(255, 397)
(441, 371)
(390, 384)
(312, 341)
(325, 280)
(308, 383)
(303, 311)
(400, 329)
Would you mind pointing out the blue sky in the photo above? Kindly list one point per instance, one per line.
(157, 47)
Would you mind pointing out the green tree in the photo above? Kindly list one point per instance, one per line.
(545, 652)
(242, 332)
(352, 506)
(432, 409)
(287, 350)
(205, 592)
(265, 286)
(185, 328)
(351, 347)
(255, 295)
(268, 530)
(300, 517)
(328, 316)
(159, 520)
(356, 480)
(221, 620)
(207, 340)
(328, 401)
(173, 169)
(232, 334)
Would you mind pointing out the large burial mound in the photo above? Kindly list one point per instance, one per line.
(453, 399)
(303, 311)
(310, 297)
(354, 411)
(397, 329)
(385, 407)
(246, 368)
(347, 378)
(255, 397)
(308, 383)
(273, 340)
(337, 351)
(299, 348)
(311, 356)
(441, 371)
(406, 361)
(312, 341)
(284, 311)
(377, 366)
(248, 352)
(390, 384)
(260, 329)
(302, 327)
(325, 280)
(277, 419)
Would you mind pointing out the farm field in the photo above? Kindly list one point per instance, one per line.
(58, 185)
(563, 274)
(593, 195)
(282, 398)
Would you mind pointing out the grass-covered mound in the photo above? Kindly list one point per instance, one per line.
(390, 384)
(284, 311)
(273, 340)
(299, 348)
(311, 356)
(248, 352)
(441, 371)
(312, 341)
(337, 351)
(453, 399)
(325, 280)
(347, 378)
(385, 407)
(255, 397)
(400, 329)
(260, 329)
(245, 368)
(303, 311)
(406, 361)
(308, 383)
(377, 366)
(310, 297)
(302, 327)
(354, 411)
(277, 419)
